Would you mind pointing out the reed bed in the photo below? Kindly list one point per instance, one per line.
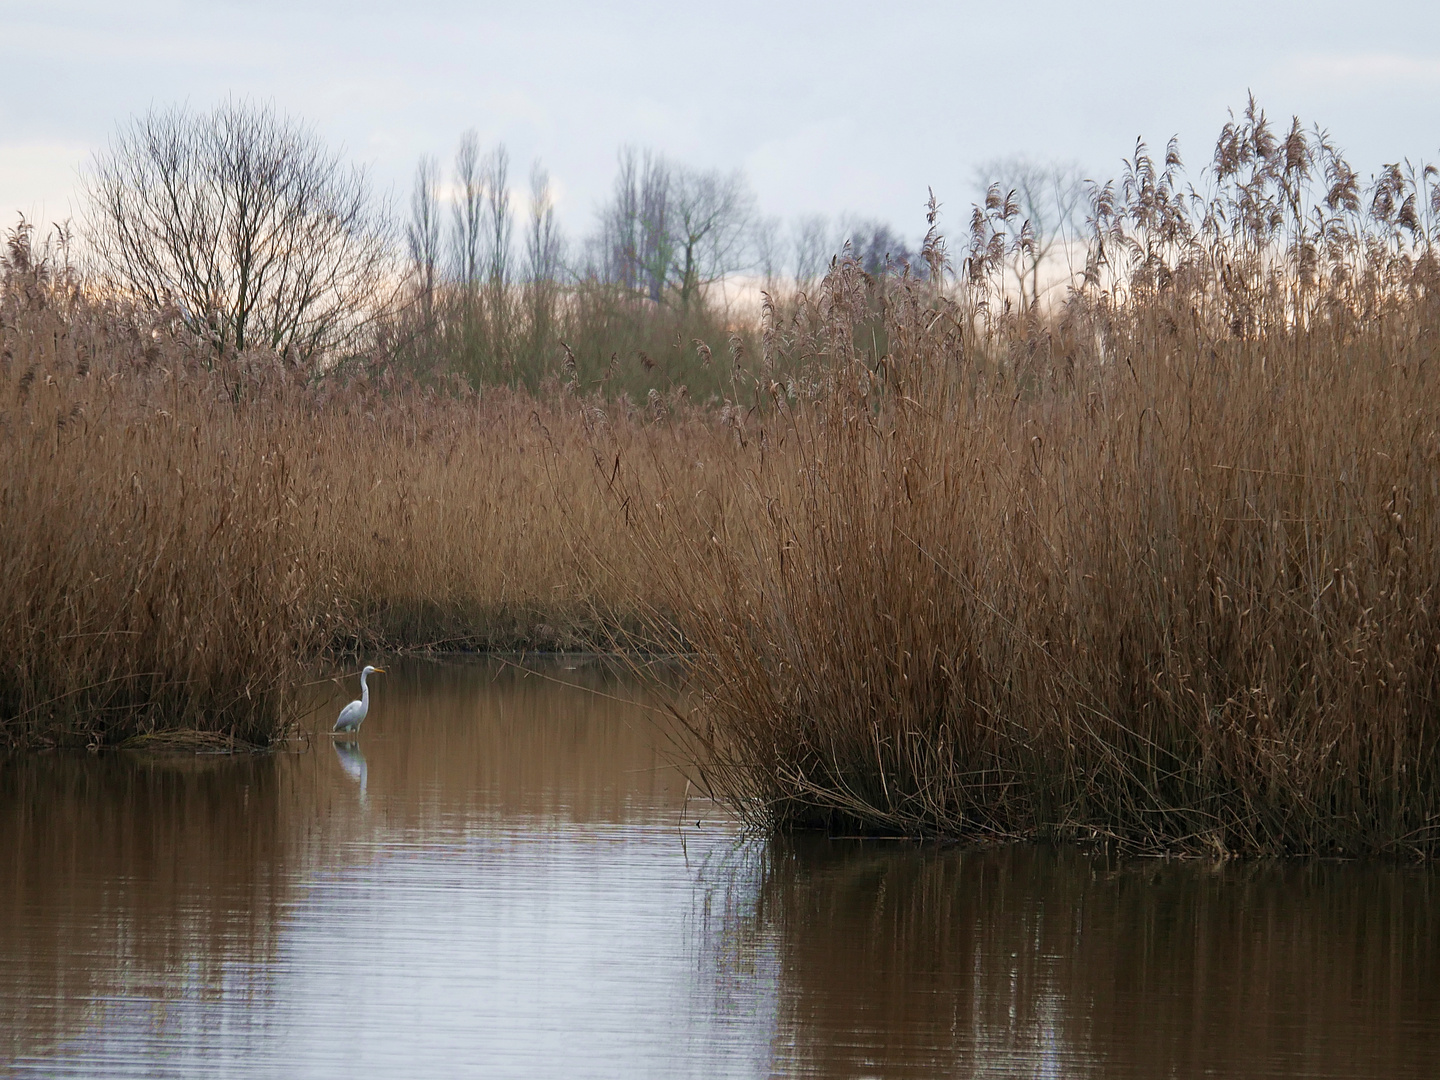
(182, 533)
(1156, 567)
(1155, 564)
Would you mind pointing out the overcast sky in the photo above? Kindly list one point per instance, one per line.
(832, 107)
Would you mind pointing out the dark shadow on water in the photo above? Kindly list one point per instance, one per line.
(119, 870)
(896, 959)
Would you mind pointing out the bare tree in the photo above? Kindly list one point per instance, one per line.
(635, 227)
(877, 247)
(498, 226)
(710, 214)
(671, 227)
(542, 265)
(1051, 198)
(542, 241)
(423, 234)
(467, 233)
(814, 248)
(495, 182)
(653, 254)
(244, 223)
(765, 245)
(620, 226)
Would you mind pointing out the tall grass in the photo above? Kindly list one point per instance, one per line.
(1159, 567)
(181, 534)
(1157, 564)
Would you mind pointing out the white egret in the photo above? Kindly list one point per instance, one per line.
(353, 715)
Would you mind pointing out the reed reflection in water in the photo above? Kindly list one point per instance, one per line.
(900, 961)
(494, 879)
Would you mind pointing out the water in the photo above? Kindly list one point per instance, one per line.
(503, 876)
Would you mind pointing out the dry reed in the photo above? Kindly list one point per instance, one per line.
(180, 535)
(1159, 567)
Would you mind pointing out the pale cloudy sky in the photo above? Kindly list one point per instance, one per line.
(834, 107)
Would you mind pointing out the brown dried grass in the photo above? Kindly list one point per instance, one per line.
(179, 535)
(1159, 567)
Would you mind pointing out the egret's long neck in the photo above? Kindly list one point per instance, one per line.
(364, 691)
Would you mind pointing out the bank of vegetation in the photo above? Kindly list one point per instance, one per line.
(181, 533)
(1152, 561)
(1158, 566)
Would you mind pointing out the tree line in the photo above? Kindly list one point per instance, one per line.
(245, 227)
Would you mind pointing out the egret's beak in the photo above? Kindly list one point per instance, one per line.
(378, 671)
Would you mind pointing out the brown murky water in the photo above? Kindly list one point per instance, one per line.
(495, 880)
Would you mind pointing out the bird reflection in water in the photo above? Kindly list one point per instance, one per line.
(352, 760)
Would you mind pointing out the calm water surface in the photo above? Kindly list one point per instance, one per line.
(503, 877)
